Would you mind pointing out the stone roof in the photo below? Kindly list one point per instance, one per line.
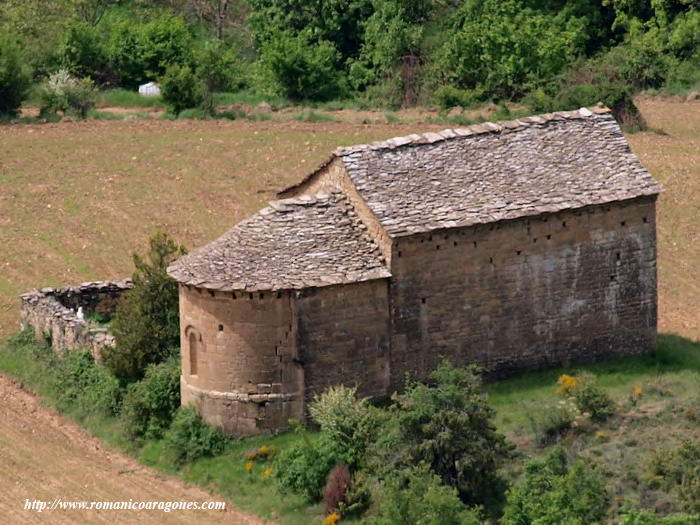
(309, 241)
(496, 171)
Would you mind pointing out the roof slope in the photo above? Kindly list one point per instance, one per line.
(496, 171)
(292, 244)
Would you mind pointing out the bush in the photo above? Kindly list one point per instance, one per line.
(84, 386)
(554, 493)
(181, 89)
(449, 426)
(680, 469)
(190, 438)
(350, 425)
(303, 69)
(303, 468)
(15, 78)
(334, 494)
(146, 324)
(449, 97)
(217, 65)
(589, 397)
(417, 497)
(150, 404)
(645, 517)
(82, 52)
(551, 422)
(143, 52)
(63, 92)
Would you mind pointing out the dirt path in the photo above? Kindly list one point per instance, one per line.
(43, 456)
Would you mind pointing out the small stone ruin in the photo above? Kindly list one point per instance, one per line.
(53, 315)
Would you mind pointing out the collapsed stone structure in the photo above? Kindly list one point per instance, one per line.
(52, 314)
(511, 245)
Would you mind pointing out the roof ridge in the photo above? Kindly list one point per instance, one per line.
(431, 137)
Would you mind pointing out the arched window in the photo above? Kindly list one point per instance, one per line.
(194, 343)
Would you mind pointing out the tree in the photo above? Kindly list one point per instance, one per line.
(181, 89)
(553, 493)
(14, 76)
(146, 324)
(216, 67)
(449, 426)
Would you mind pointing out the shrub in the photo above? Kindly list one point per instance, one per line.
(680, 469)
(334, 494)
(181, 89)
(550, 422)
(645, 517)
(146, 324)
(81, 51)
(303, 468)
(150, 404)
(449, 97)
(349, 424)
(142, 52)
(64, 92)
(591, 399)
(303, 69)
(217, 66)
(553, 492)
(85, 386)
(417, 497)
(15, 78)
(190, 438)
(358, 497)
(449, 426)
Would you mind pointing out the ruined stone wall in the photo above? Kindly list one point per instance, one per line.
(51, 312)
(558, 288)
(343, 337)
(247, 379)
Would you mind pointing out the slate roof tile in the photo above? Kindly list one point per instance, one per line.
(312, 240)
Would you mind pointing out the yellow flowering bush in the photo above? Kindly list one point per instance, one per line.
(267, 473)
(249, 467)
(332, 519)
(566, 384)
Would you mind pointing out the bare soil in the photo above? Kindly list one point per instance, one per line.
(43, 456)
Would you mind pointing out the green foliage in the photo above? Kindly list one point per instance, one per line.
(143, 52)
(303, 69)
(82, 52)
(14, 76)
(449, 97)
(150, 404)
(64, 92)
(190, 438)
(645, 517)
(505, 47)
(554, 492)
(303, 467)
(350, 425)
(679, 468)
(181, 89)
(417, 497)
(592, 399)
(146, 324)
(84, 386)
(309, 115)
(217, 67)
(551, 422)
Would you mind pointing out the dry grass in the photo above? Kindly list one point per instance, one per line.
(76, 199)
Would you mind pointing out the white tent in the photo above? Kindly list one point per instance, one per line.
(151, 89)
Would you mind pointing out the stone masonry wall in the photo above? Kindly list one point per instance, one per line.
(558, 288)
(51, 312)
(343, 337)
(247, 378)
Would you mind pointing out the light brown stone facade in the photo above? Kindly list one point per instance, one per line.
(554, 289)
